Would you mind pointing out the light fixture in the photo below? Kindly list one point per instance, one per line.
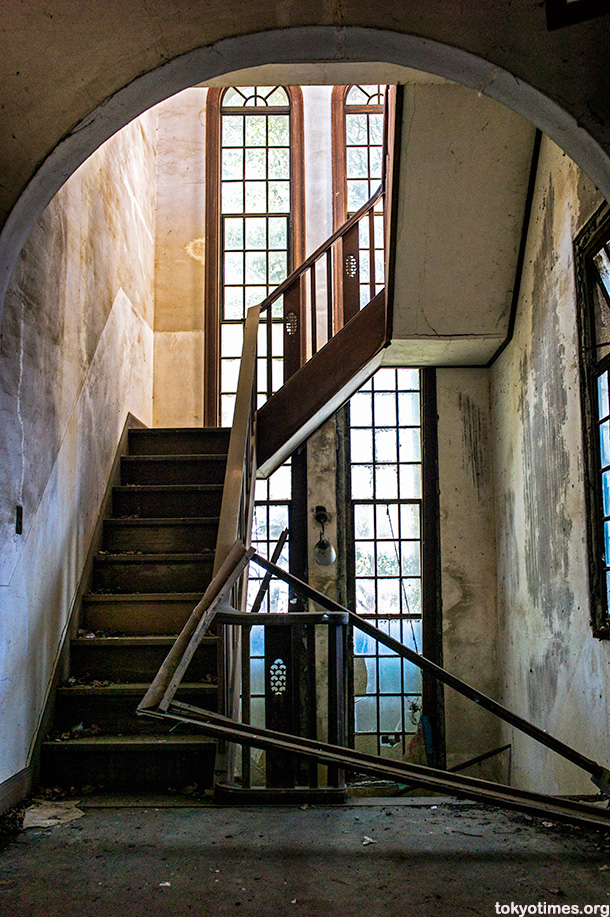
(323, 553)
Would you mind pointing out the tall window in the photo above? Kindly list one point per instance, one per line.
(386, 511)
(358, 125)
(593, 267)
(254, 227)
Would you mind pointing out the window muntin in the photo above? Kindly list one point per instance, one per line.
(386, 507)
(363, 132)
(255, 199)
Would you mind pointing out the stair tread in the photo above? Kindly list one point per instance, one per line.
(152, 597)
(154, 558)
(178, 457)
(109, 642)
(131, 740)
(161, 430)
(129, 688)
(164, 520)
(167, 488)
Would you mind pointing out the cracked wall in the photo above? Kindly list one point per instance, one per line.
(553, 671)
(76, 357)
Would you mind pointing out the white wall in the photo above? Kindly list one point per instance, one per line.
(553, 670)
(76, 357)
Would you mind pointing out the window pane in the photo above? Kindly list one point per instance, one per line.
(256, 164)
(256, 130)
(390, 675)
(361, 443)
(357, 194)
(232, 164)
(387, 521)
(410, 482)
(602, 392)
(604, 438)
(357, 162)
(386, 482)
(279, 164)
(232, 130)
(234, 268)
(256, 267)
(279, 130)
(385, 445)
(411, 596)
(356, 132)
(408, 409)
(278, 232)
(410, 558)
(256, 197)
(233, 302)
(234, 234)
(360, 411)
(365, 558)
(409, 520)
(385, 409)
(232, 197)
(362, 482)
(365, 596)
(279, 196)
(363, 521)
(409, 444)
(365, 709)
(390, 714)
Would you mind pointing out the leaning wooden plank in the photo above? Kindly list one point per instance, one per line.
(198, 623)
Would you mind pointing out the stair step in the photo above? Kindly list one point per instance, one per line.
(179, 441)
(134, 659)
(139, 614)
(112, 708)
(118, 573)
(173, 469)
(163, 536)
(166, 500)
(129, 763)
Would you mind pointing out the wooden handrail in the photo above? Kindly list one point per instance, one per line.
(241, 444)
(322, 249)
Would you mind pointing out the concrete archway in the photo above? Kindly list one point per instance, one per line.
(309, 44)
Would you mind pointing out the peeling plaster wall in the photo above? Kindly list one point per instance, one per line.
(180, 260)
(76, 357)
(553, 670)
(468, 559)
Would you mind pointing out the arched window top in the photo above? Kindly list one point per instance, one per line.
(255, 97)
(365, 95)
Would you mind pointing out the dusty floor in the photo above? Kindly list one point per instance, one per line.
(429, 858)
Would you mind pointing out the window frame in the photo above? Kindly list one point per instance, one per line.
(586, 245)
(296, 229)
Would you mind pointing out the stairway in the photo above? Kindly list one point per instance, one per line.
(155, 563)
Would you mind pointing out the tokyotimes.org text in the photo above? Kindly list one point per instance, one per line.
(541, 907)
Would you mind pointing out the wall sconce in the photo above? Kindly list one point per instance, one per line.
(323, 553)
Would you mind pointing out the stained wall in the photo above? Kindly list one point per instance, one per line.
(76, 357)
(552, 669)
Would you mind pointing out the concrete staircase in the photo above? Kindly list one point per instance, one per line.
(154, 564)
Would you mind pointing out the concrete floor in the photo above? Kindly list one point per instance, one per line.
(172, 857)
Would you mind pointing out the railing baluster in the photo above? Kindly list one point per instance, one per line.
(329, 296)
(313, 307)
(371, 254)
(269, 318)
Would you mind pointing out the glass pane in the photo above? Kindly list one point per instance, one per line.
(278, 520)
(278, 96)
(278, 236)
(389, 597)
(234, 234)
(232, 194)
(256, 232)
(234, 268)
(279, 130)
(356, 133)
(407, 379)
(410, 481)
(256, 130)
(365, 676)
(375, 162)
(387, 521)
(387, 559)
(384, 380)
(279, 164)
(257, 640)
(385, 445)
(365, 709)
(256, 164)
(232, 164)
(280, 484)
(411, 596)
(256, 198)
(365, 558)
(256, 267)
(412, 636)
(365, 597)
(385, 409)
(257, 676)
(606, 492)
(232, 130)
(409, 520)
(257, 712)
(232, 340)
(363, 521)
(279, 196)
(229, 372)
(363, 266)
(357, 162)
(602, 393)
(378, 222)
(227, 406)
(410, 558)
(390, 714)
(389, 675)
(363, 643)
(386, 482)
(607, 542)
(409, 444)
(412, 677)
(277, 267)
(362, 482)
(357, 96)
(357, 195)
(360, 410)
(408, 409)
(255, 296)
(361, 443)
(376, 129)
(604, 438)
(234, 302)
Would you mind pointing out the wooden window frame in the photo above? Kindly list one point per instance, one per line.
(211, 394)
(586, 244)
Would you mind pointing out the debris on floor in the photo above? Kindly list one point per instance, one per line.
(49, 814)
